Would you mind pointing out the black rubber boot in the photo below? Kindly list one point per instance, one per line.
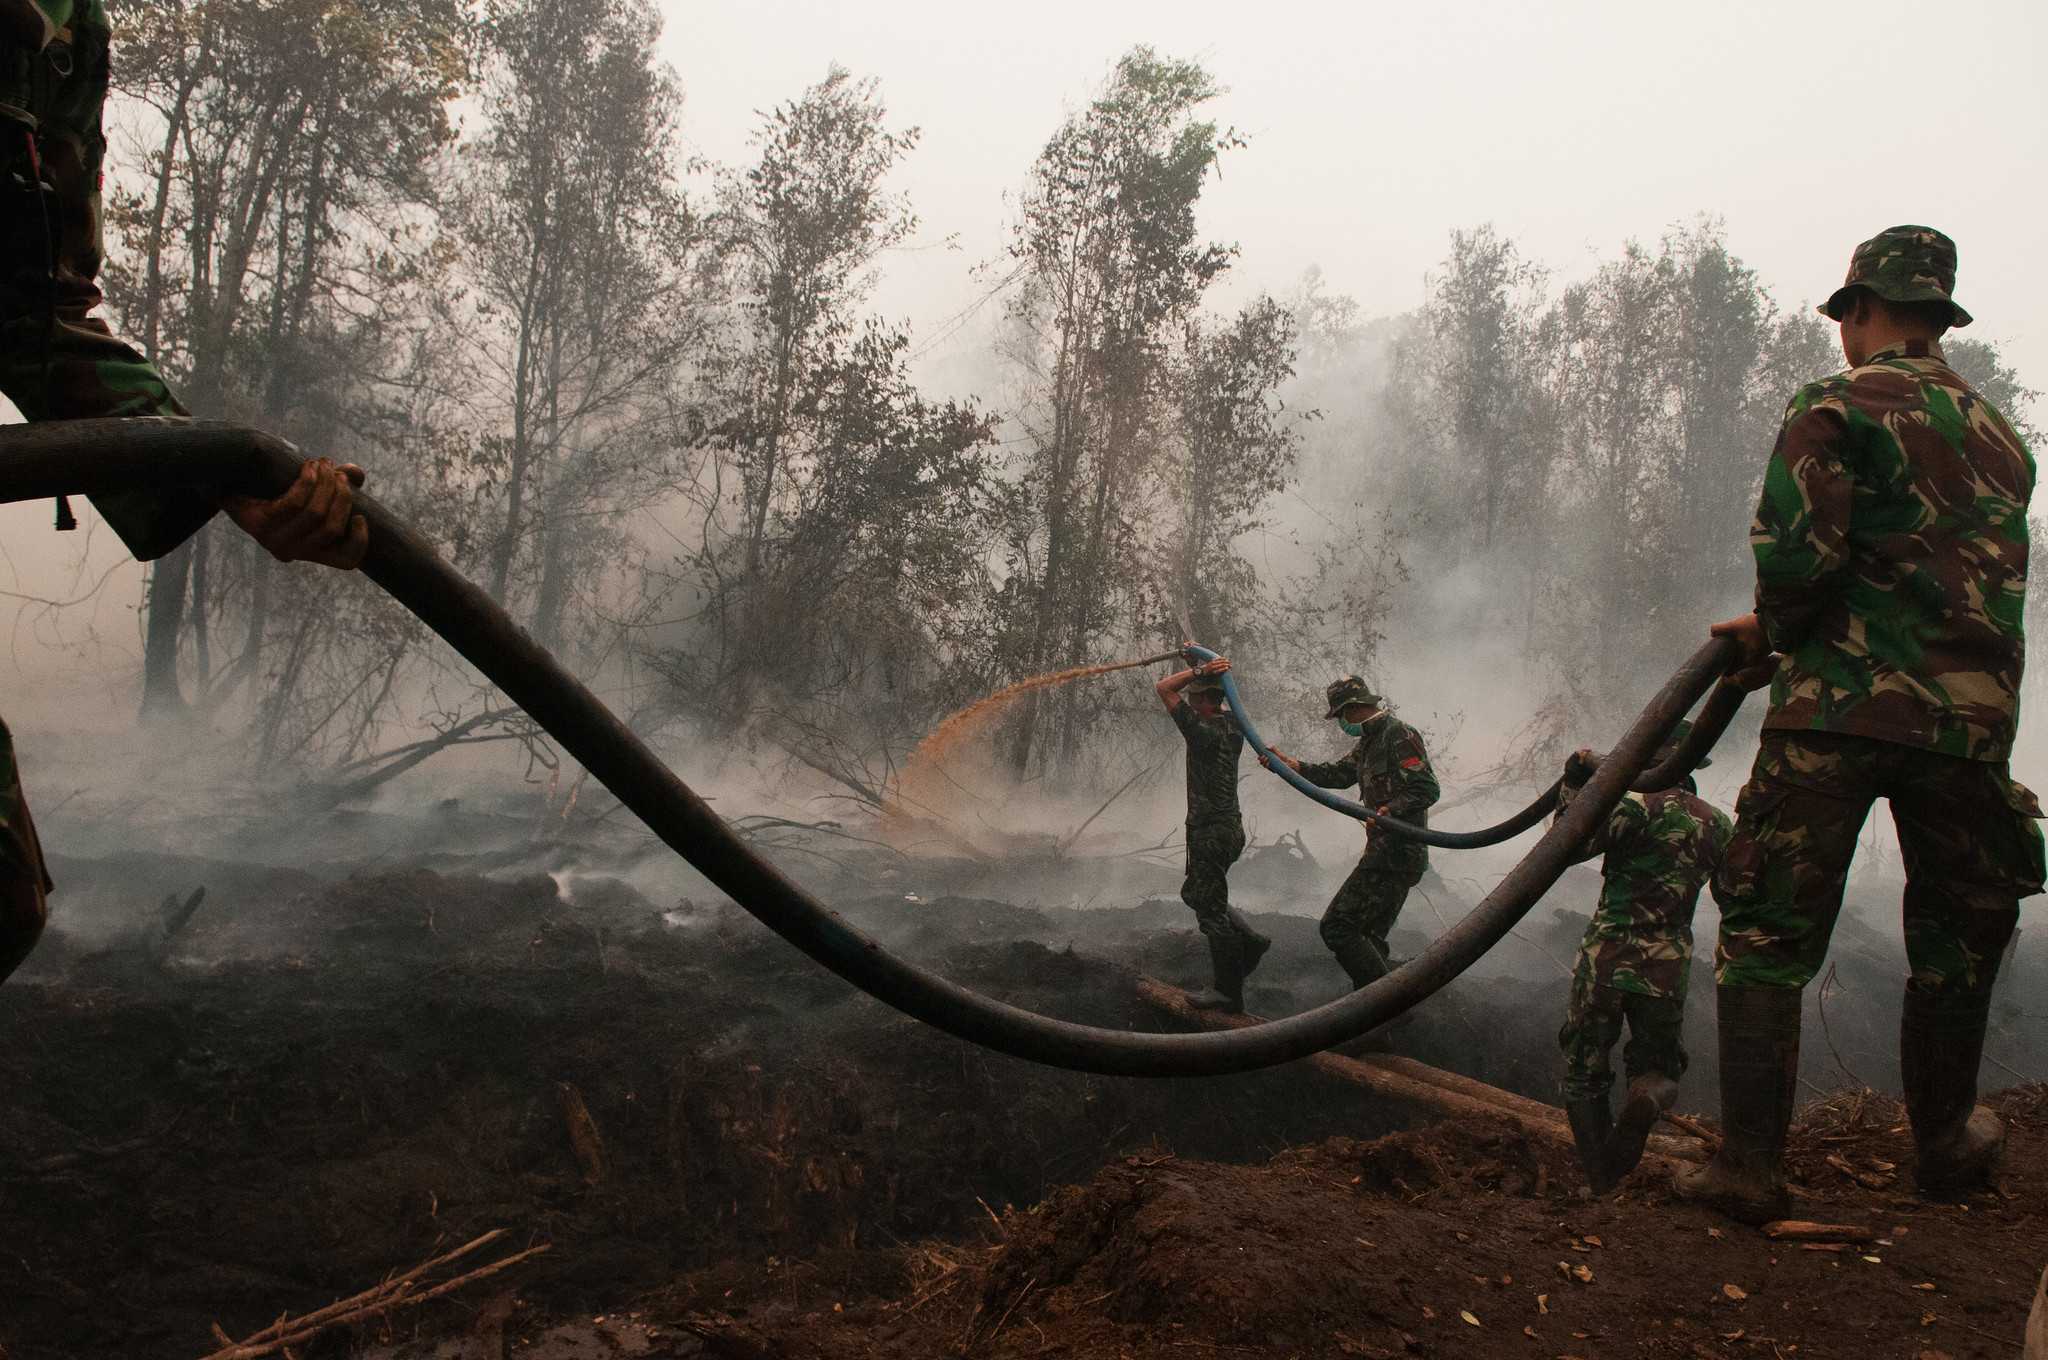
(1252, 944)
(1592, 1122)
(1759, 1076)
(1361, 961)
(1941, 1041)
(1226, 961)
(1649, 1096)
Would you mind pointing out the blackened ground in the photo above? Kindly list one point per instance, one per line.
(1452, 1240)
(325, 1079)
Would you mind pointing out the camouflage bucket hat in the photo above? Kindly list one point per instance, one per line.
(1349, 689)
(1902, 264)
(1206, 684)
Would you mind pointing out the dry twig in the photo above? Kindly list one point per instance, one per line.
(393, 1294)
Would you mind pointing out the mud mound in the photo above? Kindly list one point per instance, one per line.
(1254, 1255)
(1456, 1241)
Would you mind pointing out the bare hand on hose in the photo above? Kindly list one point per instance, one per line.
(1755, 663)
(1277, 754)
(313, 521)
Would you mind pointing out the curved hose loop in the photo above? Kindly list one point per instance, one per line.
(94, 456)
(1708, 728)
(1713, 720)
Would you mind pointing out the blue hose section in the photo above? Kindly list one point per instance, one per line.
(1329, 798)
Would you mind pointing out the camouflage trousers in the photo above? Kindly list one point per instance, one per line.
(1212, 848)
(1369, 901)
(1968, 836)
(23, 880)
(1593, 1022)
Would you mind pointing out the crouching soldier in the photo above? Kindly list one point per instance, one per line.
(1391, 768)
(1659, 849)
(1215, 830)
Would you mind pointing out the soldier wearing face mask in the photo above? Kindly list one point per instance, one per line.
(1391, 768)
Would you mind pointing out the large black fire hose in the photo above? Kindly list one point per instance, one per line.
(1713, 720)
(90, 457)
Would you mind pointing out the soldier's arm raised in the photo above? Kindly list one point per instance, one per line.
(1169, 687)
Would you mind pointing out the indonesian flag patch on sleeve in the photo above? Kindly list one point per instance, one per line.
(1411, 763)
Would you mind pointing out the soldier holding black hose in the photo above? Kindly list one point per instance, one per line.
(59, 361)
(1634, 963)
(1891, 574)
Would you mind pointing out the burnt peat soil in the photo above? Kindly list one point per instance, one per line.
(322, 1081)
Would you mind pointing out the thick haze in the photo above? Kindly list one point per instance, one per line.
(1374, 130)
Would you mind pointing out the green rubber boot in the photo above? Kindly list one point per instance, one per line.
(1361, 961)
(1592, 1121)
(1759, 1074)
(1941, 1041)
(1253, 946)
(1226, 963)
(1649, 1096)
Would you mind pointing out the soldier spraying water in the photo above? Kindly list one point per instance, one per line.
(1215, 829)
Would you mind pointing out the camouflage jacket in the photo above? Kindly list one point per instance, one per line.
(1891, 559)
(55, 66)
(1214, 745)
(1660, 848)
(1390, 767)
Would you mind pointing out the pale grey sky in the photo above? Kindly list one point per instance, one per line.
(1375, 129)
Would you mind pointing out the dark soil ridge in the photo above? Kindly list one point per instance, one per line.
(1453, 1240)
(325, 1082)
(321, 1082)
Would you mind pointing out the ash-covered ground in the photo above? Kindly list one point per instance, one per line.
(382, 1033)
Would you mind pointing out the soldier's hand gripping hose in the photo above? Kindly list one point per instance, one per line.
(313, 521)
(95, 456)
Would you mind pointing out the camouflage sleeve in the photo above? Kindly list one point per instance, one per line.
(1414, 782)
(1800, 535)
(1630, 816)
(1183, 715)
(58, 359)
(1340, 773)
(79, 369)
(1722, 833)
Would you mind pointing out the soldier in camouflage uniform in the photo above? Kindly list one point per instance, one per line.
(1660, 849)
(1215, 831)
(1891, 552)
(58, 361)
(1391, 768)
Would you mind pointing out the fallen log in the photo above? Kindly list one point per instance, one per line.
(1416, 1083)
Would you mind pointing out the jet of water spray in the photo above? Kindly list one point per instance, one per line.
(922, 788)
